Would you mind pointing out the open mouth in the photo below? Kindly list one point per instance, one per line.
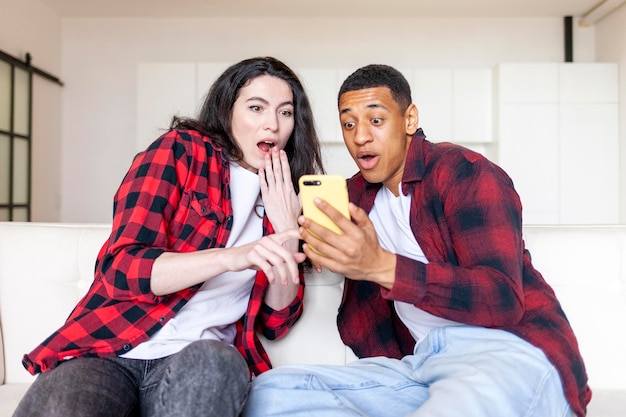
(265, 146)
(366, 156)
(367, 160)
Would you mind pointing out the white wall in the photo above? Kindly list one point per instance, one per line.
(30, 26)
(611, 46)
(101, 56)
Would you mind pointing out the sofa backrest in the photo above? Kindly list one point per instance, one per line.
(46, 268)
(1, 357)
(585, 265)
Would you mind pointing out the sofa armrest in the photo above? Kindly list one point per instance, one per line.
(1, 356)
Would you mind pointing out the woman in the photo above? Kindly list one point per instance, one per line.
(203, 251)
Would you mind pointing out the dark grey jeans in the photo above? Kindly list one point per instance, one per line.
(207, 378)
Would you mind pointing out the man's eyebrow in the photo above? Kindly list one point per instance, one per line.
(369, 106)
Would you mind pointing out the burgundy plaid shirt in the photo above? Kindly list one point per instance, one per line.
(467, 218)
(174, 198)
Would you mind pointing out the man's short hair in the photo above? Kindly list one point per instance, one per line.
(377, 75)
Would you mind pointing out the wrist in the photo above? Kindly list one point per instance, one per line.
(386, 275)
(280, 227)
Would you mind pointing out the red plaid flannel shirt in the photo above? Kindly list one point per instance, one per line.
(175, 197)
(467, 218)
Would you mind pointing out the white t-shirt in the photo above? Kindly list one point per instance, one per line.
(222, 300)
(390, 216)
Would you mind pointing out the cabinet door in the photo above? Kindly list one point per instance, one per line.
(558, 139)
(529, 153)
(589, 137)
(528, 83)
(321, 86)
(589, 163)
(432, 94)
(588, 83)
(455, 104)
(472, 110)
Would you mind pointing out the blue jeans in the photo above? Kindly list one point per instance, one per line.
(207, 378)
(456, 371)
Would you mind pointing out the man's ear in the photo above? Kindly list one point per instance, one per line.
(411, 118)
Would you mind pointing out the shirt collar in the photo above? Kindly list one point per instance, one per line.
(414, 168)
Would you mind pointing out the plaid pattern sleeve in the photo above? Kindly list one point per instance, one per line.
(260, 318)
(467, 218)
(173, 198)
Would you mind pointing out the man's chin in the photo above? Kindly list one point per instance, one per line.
(370, 177)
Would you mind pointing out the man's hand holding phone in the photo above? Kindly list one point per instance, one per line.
(349, 248)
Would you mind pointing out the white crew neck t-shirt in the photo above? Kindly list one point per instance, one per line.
(222, 300)
(390, 216)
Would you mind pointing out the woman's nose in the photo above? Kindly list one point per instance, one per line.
(271, 122)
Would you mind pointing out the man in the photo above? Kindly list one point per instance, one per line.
(441, 300)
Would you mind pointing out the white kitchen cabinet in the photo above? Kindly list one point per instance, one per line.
(558, 139)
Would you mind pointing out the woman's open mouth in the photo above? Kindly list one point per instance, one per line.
(266, 146)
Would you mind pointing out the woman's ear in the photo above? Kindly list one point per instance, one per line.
(411, 117)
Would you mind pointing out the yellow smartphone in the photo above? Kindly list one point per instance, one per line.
(332, 189)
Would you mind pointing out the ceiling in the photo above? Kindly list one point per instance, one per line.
(321, 8)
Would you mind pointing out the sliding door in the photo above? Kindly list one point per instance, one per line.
(15, 142)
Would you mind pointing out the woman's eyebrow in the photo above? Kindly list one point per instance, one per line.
(258, 99)
(264, 101)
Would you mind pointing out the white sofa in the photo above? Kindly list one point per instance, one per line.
(45, 268)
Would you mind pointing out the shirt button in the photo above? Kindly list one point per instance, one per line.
(126, 347)
(203, 210)
(162, 319)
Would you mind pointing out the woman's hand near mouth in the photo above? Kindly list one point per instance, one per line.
(281, 202)
(282, 207)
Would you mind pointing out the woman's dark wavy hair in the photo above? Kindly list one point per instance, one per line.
(214, 120)
(377, 75)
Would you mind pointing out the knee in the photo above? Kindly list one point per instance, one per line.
(216, 358)
(212, 352)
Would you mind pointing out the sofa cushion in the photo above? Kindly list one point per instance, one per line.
(10, 396)
(51, 268)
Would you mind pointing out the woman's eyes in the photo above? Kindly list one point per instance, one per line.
(257, 108)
